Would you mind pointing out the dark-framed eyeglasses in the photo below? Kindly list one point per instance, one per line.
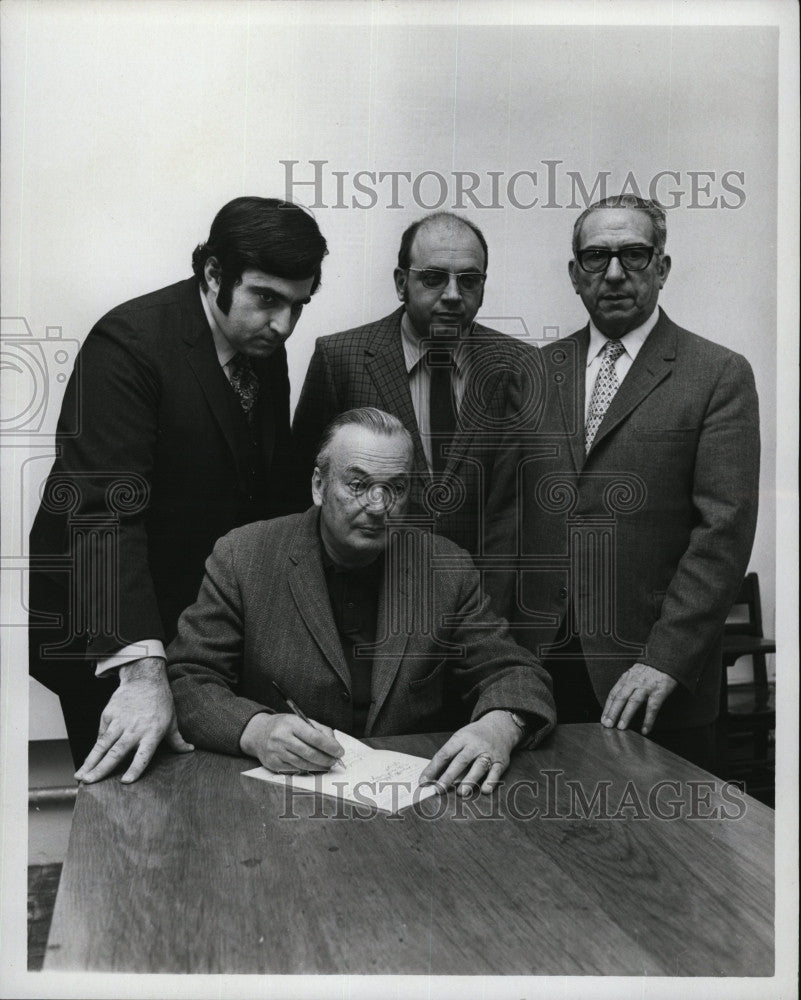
(468, 281)
(595, 260)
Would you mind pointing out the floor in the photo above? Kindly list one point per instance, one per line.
(50, 767)
(42, 889)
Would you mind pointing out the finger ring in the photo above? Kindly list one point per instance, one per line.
(487, 760)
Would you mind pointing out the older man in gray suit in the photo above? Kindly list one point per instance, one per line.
(633, 500)
(369, 629)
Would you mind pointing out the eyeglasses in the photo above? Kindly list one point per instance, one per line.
(597, 259)
(468, 281)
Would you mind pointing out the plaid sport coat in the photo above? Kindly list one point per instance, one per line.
(365, 367)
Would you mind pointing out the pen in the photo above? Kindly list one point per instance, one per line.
(298, 711)
(300, 714)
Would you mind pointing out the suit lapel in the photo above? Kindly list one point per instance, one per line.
(650, 367)
(386, 367)
(470, 417)
(307, 583)
(203, 361)
(568, 384)
(393, 609)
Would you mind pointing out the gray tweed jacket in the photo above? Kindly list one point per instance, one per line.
(648, 536)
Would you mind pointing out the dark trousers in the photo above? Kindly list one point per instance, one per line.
(576, 702)
(66, 671)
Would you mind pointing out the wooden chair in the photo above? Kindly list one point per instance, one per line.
(747, 717)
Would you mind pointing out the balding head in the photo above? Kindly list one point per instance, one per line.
(440, 274)
(448, 223)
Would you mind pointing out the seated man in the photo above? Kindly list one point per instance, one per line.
(369, 627)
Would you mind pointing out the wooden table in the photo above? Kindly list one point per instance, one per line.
(197, 869)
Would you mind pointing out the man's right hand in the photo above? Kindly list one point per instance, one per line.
(288, 745)
(138, 717)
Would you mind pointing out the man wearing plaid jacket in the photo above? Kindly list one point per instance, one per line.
(455, 385)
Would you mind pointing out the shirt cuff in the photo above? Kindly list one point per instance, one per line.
(135, 651)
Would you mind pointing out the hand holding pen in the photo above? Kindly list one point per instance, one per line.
(290, 744)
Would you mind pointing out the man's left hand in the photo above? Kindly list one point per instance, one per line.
(639, 685)
(476, 755)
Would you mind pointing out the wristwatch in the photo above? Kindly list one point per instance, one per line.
(522, 723)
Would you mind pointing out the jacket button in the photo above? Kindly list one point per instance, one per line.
(563, 591)
(344, 695)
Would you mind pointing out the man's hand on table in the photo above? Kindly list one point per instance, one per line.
(288, 745)
(139, 715)
(639, 685)
(475, 756)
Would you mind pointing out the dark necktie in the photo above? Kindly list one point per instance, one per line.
(244, 382)
(603, 392)
(441, 406)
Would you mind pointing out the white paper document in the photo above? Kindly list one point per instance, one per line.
(384, 779)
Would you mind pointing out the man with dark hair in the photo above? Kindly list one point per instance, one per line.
(372, 627)
(265, 234)
(634, 497)
(455, 385)
(182, 433)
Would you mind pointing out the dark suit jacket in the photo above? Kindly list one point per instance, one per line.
(158, 418)
(263, 614)
(365, 367)
(660, 516)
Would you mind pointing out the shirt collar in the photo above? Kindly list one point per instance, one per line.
(221, 344)
(631, 341)
(413, 350)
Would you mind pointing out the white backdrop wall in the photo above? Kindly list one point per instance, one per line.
(126, 126)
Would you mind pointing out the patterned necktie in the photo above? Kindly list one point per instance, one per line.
(441, 407)
(606, 385)
(244, 382)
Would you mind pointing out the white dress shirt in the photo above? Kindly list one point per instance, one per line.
(631, 341)
(420, 379)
